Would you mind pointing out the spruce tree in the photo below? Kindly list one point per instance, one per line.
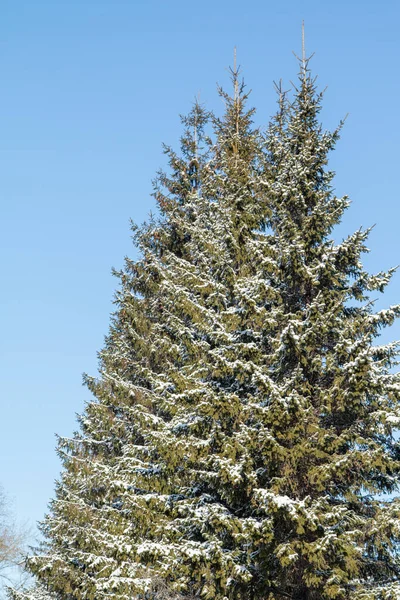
(242, 427)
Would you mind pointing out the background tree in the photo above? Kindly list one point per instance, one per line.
(12, 545)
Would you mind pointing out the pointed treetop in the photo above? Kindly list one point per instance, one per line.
(196, 143)
(303, 59)
(235, 75)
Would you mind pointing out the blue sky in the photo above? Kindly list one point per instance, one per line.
(89, 91)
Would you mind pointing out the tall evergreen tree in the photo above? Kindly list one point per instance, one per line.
(242, 430)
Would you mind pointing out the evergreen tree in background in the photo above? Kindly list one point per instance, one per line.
(242, 430)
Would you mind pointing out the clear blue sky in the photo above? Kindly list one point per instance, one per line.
(89, 90)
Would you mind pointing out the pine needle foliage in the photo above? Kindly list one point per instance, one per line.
(241, 441)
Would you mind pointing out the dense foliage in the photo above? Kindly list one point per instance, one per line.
(240, 443)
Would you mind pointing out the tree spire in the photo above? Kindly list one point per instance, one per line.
(235, 76)
(195, 134)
